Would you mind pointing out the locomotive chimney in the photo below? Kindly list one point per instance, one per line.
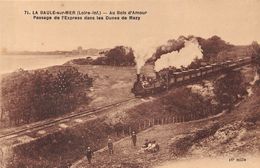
(137, 77)
(157, 75)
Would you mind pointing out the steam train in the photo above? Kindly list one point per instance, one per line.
(170, 77)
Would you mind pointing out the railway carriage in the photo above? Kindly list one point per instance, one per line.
(194, 73)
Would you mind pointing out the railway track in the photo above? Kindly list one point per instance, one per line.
(50, 123)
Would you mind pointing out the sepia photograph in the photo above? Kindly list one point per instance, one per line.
(130, 84)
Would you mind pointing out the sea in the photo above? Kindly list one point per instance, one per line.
(11, 63)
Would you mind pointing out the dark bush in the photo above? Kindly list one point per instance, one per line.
(32, 96)
(118, 56)
(83, 61)
(212, 46)
(229, 88)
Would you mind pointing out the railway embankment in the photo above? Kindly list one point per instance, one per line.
(61, 143)
(68, 141)
(108, 87)
(232, 135)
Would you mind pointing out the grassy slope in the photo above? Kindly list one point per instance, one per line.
(110, 84)
(243, 138)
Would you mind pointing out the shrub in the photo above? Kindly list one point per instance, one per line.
(32, 96)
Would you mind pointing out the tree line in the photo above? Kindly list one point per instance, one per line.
(124, 56)
(117, 56)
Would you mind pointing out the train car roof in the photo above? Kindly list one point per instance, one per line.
(187, 71)
(176, 73)
(202, 68)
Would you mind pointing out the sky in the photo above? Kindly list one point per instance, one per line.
(236, 21)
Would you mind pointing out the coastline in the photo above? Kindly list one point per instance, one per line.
(31, 65)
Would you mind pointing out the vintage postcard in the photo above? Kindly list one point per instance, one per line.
(130, 84)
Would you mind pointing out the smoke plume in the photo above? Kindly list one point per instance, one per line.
(171, 45)
(144, 50)
(141, 56)
(183, 57)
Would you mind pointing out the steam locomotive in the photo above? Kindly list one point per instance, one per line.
(170, 77)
